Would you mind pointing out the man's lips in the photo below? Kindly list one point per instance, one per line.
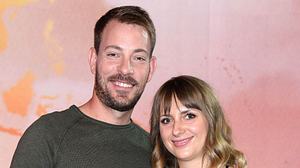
(123, 84)
(123, 81)
(182, 142)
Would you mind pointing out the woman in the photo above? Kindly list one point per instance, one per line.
(188, 128)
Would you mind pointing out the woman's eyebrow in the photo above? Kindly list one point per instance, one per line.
(165, 115)
(185, 110)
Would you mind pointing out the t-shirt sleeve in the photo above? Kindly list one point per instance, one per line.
(35, 148)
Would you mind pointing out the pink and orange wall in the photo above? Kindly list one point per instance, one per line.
(249, 51)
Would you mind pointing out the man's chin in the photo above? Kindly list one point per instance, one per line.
(122, 103)
(123, 108)
(123, 95)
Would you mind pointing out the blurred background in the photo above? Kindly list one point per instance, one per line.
(247, 50)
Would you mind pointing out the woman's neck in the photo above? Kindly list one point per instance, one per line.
(197, 163)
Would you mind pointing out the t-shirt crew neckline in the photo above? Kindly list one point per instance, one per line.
(131, 124)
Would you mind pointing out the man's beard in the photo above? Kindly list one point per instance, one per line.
(106, 97)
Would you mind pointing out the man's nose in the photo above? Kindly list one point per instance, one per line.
(125, 66)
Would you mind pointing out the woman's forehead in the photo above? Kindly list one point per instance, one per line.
(172, 104)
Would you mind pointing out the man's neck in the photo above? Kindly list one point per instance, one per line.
(97, 110)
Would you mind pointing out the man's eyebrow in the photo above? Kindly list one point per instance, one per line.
(121, 49)
(114, 47)
(140, 50)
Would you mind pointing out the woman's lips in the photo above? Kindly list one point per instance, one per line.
(182, 142)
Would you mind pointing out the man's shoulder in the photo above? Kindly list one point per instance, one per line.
(63, 117)
(140, 130)
(141, 135)
(41, 140)
(55, 122)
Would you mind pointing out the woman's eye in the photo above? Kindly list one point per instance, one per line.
(165, 120)
(189, 116)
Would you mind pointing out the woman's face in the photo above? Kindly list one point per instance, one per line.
(184, 132)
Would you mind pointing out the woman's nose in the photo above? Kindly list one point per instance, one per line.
(178, 128)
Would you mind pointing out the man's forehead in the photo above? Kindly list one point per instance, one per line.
(137, 38)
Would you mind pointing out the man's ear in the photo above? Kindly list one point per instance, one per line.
(92, 60)
(152, 67)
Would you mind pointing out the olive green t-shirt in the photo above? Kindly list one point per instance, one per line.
(70, 139)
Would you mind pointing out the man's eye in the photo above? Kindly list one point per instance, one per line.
(165, 120)
(189, 116)
(140, 58)
(112, 54)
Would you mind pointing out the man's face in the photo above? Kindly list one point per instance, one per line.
(123, 65)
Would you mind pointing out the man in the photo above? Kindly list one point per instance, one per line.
(100, 133)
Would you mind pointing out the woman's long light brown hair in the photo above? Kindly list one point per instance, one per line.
(194, 93)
